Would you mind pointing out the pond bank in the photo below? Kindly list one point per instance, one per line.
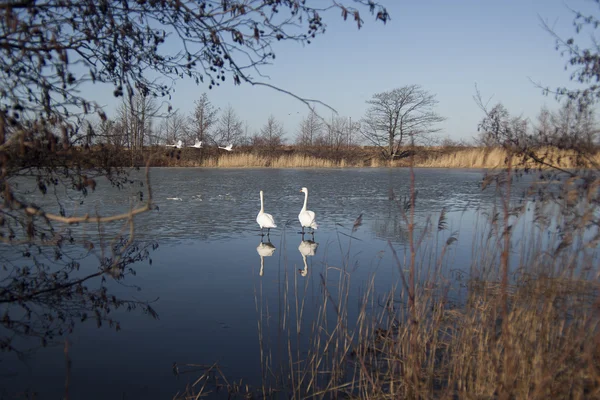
(425, 157)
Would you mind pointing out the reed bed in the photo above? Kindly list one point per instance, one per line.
(478, 157)
(425, 157)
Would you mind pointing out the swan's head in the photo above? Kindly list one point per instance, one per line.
(304, 190)
(261, 193)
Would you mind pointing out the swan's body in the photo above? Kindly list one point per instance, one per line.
(307, 217)
(263, 219)
(264, 250)
(229, 147)
(307, 248)
(174, 198)
(179, 144)
(197, 144)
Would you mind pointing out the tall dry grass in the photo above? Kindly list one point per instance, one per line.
(425, 157)
(479, 157)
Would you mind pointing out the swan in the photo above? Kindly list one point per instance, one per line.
(263, 219)
(228, 148)
(197, 145)
(174, 198)
(264, 249)
(307, 217)
(307, 248)
(178, 145)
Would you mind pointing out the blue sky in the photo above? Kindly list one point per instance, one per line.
(445, 46)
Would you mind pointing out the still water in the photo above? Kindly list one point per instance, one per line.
(210, 270)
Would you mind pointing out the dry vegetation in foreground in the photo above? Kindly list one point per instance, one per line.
(362, 157)
(536, 336)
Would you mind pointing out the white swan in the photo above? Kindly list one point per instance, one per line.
(197, 144)
(263, 219)
(307, 217)
(307, 248)
(178, 145)
(264, 249)
(228, 147)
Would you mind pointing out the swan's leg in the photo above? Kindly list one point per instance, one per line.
(268, 231)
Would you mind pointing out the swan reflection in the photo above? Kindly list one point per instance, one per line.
(307, 248)
(264, 249)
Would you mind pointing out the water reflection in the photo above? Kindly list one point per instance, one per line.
(264, 249)
(307, 248)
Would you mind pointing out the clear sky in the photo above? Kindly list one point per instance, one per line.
(445, 46)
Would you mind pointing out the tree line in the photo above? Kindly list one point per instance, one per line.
(394, 118)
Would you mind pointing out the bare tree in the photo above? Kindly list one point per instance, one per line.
(574, 126)
(109, 132)
(340, 132)
(135, 116)
(229, 129)
(271, 134)
(203, 119)
(543, 127)
(174, 127)
(499, 128)
(311, 128)
(402, 114)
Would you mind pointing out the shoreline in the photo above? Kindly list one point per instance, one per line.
(294, 158)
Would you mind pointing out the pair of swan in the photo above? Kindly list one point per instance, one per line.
(306, 217)
(307, 248)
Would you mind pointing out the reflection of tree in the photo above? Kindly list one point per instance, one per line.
(47, 282)
(46, 293)
(393, 227)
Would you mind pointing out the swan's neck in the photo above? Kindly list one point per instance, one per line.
(305, 201)
(262, 209)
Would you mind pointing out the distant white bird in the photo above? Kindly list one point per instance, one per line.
(264, 249)
(307, 248)
(228, 148)
(174, 198)
(263, 219)
(197, 144)
(178, 145)
(307, 217)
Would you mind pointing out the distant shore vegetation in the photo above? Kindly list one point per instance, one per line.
(450, 156)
